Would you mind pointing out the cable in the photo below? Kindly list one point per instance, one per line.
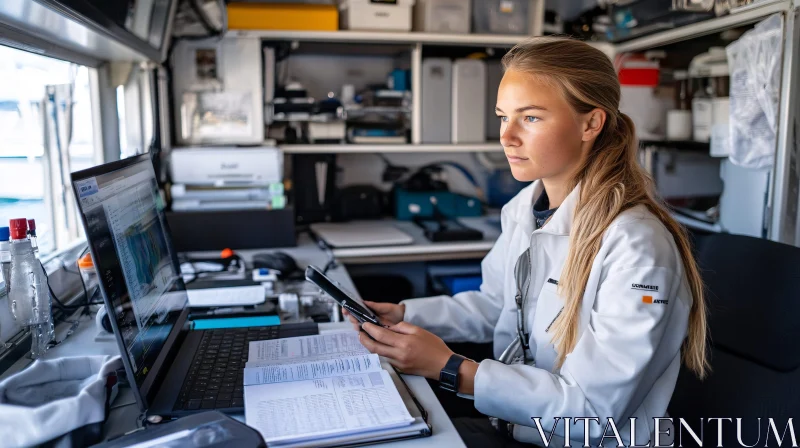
(59, 304)
(196, 273)
(332, 263)
(203, 18)
(77, 272)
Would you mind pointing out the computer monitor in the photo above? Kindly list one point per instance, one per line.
(122, 212)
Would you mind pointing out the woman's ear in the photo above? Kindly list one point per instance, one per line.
(593, 124)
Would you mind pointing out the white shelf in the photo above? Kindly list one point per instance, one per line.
(480, 40)
(381, 37)
(742, 16)
(407, 148)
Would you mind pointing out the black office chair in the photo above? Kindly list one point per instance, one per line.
(753, 297)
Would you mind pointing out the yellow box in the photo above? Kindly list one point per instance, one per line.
(294, 17)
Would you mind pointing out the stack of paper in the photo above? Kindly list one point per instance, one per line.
(313, 390)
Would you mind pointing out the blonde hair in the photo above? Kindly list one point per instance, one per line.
(611, 179)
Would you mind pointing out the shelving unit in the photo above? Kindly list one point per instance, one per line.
(408, 148)
(740, 17)
(682, 145)
(380, 37)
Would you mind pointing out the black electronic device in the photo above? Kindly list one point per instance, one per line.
(173, 370)
(279, 261)
(233, 229)
(210, 429)
(348, 301)
(314, 186)
(359, 202)
(441, 229)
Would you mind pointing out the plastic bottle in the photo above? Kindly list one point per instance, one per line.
(5, 269)
(29, 297)
(701, 111)
(32, 235)
(5, 256)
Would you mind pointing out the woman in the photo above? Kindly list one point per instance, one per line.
(591, 295)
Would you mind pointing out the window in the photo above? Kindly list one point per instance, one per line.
(46, 133)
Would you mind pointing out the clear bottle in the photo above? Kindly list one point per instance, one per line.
(29, 298)
(5, 256)
(5, 269)
(32, 235)
(701, 110)
(683, 93)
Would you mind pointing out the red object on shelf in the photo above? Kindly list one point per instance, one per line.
(639, 77)
(32, 226)
(19, 228)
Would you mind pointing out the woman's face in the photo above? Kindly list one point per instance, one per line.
(541, 135)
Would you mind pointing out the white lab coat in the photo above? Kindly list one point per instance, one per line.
(627, 358)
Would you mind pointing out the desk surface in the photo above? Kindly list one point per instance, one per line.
(422, 249)
(124, 415)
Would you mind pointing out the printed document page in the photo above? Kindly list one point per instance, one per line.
(305, 348)
(315, 409)
(311, 370)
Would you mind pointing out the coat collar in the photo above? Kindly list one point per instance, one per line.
(560, 223)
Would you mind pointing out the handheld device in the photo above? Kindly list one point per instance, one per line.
(353, 304)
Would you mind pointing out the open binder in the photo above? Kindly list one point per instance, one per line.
(327, 390)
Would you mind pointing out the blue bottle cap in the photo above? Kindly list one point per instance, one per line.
(5, 233)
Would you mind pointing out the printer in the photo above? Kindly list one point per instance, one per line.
(227, 166)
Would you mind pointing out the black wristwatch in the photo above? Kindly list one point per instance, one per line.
(448, 377)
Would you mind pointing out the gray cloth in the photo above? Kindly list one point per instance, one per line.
(52, 398)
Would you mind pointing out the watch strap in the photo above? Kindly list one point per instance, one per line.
(448, 377)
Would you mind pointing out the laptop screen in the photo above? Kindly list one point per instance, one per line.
(124, 223)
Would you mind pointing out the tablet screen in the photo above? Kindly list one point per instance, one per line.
(336, 291)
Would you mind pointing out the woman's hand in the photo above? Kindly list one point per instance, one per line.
(408, 347)
(388, 313)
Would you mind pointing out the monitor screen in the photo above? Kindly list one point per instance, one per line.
(124, 223)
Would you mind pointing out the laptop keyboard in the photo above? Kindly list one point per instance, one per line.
(215, 379)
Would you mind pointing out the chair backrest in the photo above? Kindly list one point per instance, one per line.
(753, 296)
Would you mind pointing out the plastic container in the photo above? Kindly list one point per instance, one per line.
(709, 72)
(443, 16)
(500, 16)
(468, 112)
(679, 119)
(5, 256)
(366, 15)
(683, 91)
(288, 16)
(29, 298)
(639, 99)
(88, 274)
(437, 98)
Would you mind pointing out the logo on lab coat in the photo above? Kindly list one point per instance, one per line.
(649, 299)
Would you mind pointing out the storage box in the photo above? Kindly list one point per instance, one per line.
(409, 204)
(469, 101)
(290, 16)
(442, 16)
(376, 15)
(494, 75)
(501, 16)
(437, 100)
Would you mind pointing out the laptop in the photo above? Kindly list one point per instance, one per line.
(172, 369)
